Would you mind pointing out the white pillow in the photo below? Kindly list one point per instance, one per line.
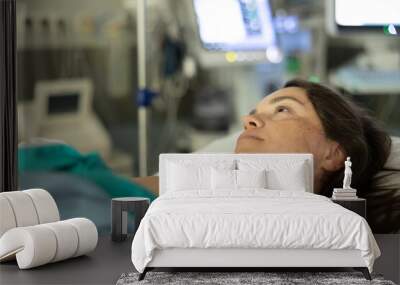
(251, 178)
(293, 180)
(184, 178)
(223, 179)
(281, 174)
(226, 179)
(193, 174)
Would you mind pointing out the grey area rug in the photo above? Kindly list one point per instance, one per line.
(225, 278)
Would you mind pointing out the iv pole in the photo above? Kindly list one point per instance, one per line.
(142, 99)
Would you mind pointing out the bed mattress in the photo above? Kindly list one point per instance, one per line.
(250, 219)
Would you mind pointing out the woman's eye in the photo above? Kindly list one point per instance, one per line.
(282, 109)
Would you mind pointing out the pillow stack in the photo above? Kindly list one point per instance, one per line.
(232, 175)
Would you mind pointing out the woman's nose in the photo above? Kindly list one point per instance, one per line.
(251, 122)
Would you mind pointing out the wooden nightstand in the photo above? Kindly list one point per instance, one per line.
(357, 205)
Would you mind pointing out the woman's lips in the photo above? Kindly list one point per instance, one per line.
(249, 136)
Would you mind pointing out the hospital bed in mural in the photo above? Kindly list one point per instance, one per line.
(81, 184)
(59, 153)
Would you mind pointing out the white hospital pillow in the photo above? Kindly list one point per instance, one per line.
(251, 178)
(223, 179)
(185, 178)
(281, 174)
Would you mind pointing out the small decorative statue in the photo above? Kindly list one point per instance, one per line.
(345, 193)
(347, 174)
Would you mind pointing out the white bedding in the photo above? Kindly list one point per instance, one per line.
(250, 219)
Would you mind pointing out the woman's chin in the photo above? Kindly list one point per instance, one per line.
(243, 148)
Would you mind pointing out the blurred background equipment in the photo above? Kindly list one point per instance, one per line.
(235, 31)
(209, 62)
(371, 75)
(144, 96)
(364, 15)
(212, 110)
(63, 111)
(234, 42)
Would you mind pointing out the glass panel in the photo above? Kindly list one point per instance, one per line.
(78, 81)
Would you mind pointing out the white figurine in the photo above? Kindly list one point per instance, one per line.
(347, 174)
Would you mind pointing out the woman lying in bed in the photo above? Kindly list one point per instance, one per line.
(305, 117)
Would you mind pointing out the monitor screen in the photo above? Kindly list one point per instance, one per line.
(366, 13)
(235, 25)
(63, 103)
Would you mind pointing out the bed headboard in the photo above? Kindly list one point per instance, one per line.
(208, 159)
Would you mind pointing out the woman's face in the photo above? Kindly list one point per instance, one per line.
(284, 122)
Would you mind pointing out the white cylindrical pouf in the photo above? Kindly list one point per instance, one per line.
(34, 246)
(45, 205)
(7, 218)
(67, 239)
(23, 207)
(87, 234)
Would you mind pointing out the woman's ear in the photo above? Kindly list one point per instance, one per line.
(334, 157)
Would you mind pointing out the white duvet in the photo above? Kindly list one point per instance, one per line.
(250, 219)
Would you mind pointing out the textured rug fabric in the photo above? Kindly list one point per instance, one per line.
(228, 278)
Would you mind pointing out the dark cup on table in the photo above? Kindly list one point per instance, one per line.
(120, 207)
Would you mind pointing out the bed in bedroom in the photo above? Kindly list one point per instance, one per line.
(247, 211)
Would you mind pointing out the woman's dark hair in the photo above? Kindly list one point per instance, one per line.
(362, 138)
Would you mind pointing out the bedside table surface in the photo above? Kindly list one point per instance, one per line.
(130, 199)
(350, 200)
(102, 266)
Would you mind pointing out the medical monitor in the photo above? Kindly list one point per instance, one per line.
(62, 101)
(366, 15)
(235, 25)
